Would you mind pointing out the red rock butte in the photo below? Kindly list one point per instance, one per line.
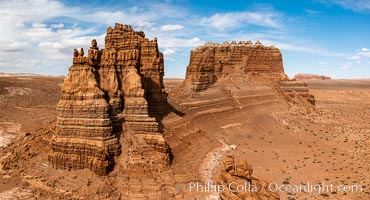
(109, 92)
(244, 61)
(213, 61)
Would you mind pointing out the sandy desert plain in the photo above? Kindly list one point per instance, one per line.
(285, 142)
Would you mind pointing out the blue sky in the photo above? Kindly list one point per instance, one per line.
(330, 37)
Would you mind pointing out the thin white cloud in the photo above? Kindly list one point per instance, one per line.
(312, 50)
(361, 56)
(232, 20)
(37, 33)
(354, 57)
(354, 5)
(110, 18)
(322, 63)
(311, 11)
(170, 59)
(13, 47)
(169, 52)
(346, 66)
(60, 25)
(364, 52)
(171, 27)
(38, 25)
(179, 42)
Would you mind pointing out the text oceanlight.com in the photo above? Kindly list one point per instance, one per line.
(308, 187)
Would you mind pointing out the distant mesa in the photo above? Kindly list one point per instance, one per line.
(303, 77)
(107, 92)
(2, 74)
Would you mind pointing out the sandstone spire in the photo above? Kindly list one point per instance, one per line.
(109, 93)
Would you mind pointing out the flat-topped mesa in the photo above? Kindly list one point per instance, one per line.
(113, 91)
(223, 62)
(213, 61)
(304, 77)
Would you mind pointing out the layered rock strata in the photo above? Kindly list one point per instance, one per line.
(213, 61)
(227, 62)
(293, 88)
(107, 93)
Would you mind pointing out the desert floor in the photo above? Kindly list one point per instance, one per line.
(283, 143)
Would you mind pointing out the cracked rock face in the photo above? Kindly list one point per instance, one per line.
(110, 91)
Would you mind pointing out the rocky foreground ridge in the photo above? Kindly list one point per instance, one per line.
(110, 91)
